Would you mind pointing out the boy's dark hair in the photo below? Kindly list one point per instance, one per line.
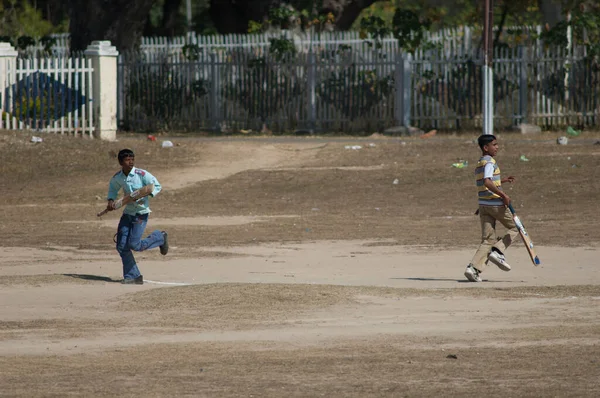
(485, 139)
(125, 153)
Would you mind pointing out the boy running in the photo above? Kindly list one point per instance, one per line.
(493, 204)
(135, 216)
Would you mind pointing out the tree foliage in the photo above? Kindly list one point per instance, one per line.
(232, 16)
(124, 21)
(19, 18)
(582, 18)
(451, 13)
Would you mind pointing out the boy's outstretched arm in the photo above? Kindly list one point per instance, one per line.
(509, 179)
(489, 184)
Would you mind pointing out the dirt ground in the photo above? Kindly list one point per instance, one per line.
(298, 267)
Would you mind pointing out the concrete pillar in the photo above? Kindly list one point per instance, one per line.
(8, 62)
(104, 85)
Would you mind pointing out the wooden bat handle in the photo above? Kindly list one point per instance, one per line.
(132, 197)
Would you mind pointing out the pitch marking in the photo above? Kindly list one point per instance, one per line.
(169, 283)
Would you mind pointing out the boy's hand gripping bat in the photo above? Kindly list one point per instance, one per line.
(132, 197)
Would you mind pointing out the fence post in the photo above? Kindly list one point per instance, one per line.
(214, 92)
(523, 88)
(8, 62)
(407, 71)
(312, 91)
(104, 86)
(403, 90)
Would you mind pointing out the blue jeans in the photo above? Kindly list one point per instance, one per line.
(129, 237)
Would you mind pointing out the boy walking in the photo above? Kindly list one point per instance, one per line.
(135, 216)
(493, 204)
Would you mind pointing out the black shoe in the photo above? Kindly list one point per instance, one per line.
(133, 281)
(164, 248)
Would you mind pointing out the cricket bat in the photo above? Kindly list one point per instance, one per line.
(525, 237)
(132, 197)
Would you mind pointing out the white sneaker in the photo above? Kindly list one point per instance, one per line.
(472, 274)
(498, 259)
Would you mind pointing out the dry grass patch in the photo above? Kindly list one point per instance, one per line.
(385, 366)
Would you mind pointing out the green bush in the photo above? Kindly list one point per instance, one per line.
(27, 108)
(355, 92)
(162, 93)
(265, 86)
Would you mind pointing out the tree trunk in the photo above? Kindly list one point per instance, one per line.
(501, 24)
(231, 16)
(551, 12)
(120, 21)
(170, 21)
(345, 11)
(55, 11)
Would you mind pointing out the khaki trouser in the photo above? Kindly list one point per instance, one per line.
(488, 215)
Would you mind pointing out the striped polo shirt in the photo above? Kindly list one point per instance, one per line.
(487, 168)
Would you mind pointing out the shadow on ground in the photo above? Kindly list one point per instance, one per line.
(448, 280)
(94, 278)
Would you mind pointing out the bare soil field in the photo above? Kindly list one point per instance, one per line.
(298, 267)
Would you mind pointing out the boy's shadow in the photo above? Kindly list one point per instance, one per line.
(93, 278)
(450, 280)
(433, 279)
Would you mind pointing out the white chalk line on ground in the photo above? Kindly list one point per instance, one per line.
(168, 283)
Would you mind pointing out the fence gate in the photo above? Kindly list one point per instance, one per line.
(47, 94)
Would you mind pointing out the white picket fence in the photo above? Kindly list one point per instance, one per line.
(461, 37)
(457, 37)
(48, 95)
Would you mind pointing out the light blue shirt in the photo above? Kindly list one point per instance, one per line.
(136, 179)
